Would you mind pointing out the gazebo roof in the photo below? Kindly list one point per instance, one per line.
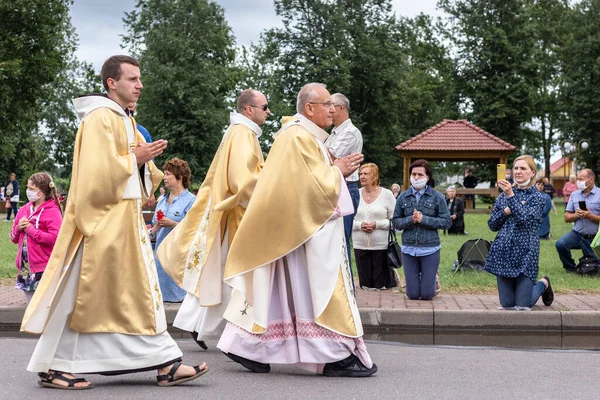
(556, 165)
(460, 135)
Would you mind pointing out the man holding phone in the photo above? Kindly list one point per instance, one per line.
(584, 210)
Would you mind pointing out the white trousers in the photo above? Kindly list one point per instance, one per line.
(63, 349)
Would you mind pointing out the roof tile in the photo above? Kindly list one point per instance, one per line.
(450, 135)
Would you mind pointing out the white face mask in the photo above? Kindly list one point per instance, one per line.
(418, 183)
(508, 177)
(581, 185)
(524, 184)
(33, 195)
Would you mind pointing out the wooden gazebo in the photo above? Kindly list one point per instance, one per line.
(454, 141)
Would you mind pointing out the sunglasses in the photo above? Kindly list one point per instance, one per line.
(264, 107)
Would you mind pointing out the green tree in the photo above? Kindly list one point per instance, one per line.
(580, 95)
(187, 55)
(360, 49)
(59, 121)
(36, 40)
(549, 17)
(497, 73)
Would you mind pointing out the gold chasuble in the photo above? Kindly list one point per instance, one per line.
(292, 206)
(191, 254)
(118, 287)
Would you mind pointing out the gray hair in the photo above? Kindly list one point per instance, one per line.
(451, 187)
(341, 100)
(246, 99)
(306, 95)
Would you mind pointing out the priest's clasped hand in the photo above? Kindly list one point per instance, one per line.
(349, 164)
(145, 152)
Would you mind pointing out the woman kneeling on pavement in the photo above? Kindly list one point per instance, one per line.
(514, 255)
(420, 211)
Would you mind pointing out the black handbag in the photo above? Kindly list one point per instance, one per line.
(393, 251)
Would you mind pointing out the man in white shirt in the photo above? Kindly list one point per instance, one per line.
(345, 139)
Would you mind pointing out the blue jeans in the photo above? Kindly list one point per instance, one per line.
(519, 291)
(419, 273)
(573, 240)
(13, 208)
(349, 220)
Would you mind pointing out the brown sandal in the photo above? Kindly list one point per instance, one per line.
(168, 379)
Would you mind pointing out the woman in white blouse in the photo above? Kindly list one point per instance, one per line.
(370, 231)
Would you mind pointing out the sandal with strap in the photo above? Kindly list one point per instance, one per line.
(168, 379)
(47, 379)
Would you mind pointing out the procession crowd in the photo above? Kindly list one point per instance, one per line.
(260, 257)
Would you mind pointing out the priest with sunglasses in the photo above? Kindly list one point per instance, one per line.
(194, 253)
(293, 301)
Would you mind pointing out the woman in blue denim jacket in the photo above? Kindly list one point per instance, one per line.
(420, 211)
(514, 255)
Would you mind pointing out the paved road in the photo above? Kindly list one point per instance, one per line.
(405, 372)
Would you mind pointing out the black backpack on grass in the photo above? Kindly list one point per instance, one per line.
(588, 265)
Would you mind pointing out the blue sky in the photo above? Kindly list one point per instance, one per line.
(99, 22)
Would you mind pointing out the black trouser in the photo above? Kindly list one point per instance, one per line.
(456, 230)
(373, 270)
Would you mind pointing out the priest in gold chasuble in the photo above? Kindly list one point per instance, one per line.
(195, 251)
(99, 307)
(293, 301)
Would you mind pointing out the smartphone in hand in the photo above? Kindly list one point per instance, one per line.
(582, 205)
(500, 172)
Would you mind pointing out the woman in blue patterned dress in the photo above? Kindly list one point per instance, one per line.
(514, 254)
(174, 207)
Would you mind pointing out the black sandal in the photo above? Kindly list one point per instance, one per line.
(168, 379)
(47, 379)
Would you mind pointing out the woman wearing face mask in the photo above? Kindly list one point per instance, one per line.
(420, 211)
(514, 255)
(35, 229)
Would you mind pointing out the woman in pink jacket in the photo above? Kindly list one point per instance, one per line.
(35, 229)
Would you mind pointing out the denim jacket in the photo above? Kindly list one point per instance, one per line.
(435, 216)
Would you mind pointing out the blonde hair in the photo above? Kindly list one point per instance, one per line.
(375, 170)
(531, 164)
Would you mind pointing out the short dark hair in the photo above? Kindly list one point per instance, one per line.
(180, 169)
(112, 68)
(421, 163)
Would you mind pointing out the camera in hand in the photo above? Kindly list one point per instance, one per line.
(582, 205)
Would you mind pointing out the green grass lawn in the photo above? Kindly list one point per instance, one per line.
(462, 282)
(8, 250)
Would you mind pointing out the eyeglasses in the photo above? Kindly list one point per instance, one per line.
(264, 107)
(325, 103)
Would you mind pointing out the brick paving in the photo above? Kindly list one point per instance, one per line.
(387, 299)
(444, 301)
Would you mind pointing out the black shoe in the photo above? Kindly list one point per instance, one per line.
(199, 342)
(548, 295)
(571, 270)
(254, 366)
(350, 367)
